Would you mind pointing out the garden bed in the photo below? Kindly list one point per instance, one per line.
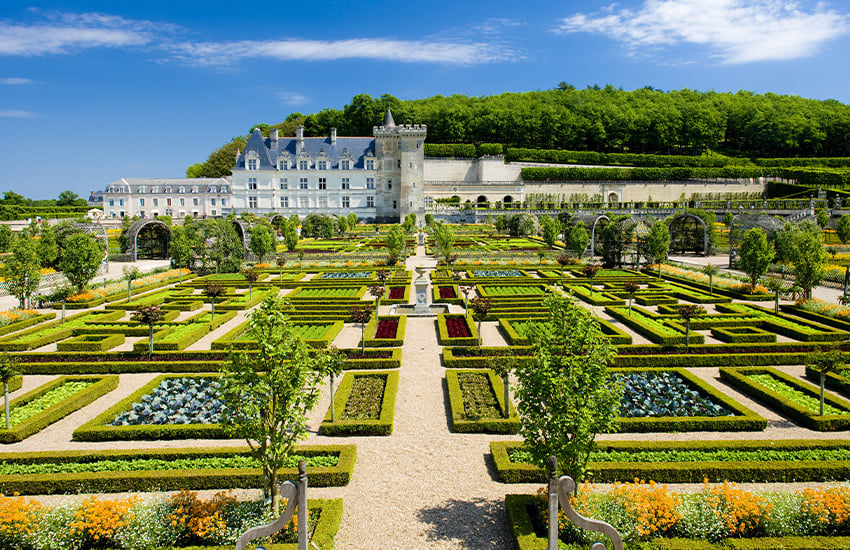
(478, 403)
(111, 471)
(456, 330)
(387, 331)
(364, 404)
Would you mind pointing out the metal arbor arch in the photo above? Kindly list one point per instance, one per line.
(591, 222)
(243, 230)
(133, 234)
(99, 233)
(685, 232)
(633, 232)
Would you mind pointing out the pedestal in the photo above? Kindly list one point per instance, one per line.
(421, 285)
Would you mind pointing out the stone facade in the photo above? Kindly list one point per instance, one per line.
(175, 197)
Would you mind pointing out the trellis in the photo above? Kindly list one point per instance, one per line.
(133, 235)
(688, 233)
(595, 223)
(742, 223)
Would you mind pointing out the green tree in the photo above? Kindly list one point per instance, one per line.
(212, 290)
(195, 170)
(342, 224)
(590, 271)
(566, 395)
(429, 219)
(409, 222)
(658, 243)
(181, 247)
(711, 271)
(395, 241)
(48, 248)
(775, 285)
(352, 221)
(550, 231)
(755, 255)
(445, 239)
(290, 235)
(69, 198)
(21, 270)
(727, 219)
(80, 260)
(578, 239)
(262, 241)
(480, 308)
(6, 237)
(268, 394)
(822, 218)
(631, 288)
(148, 315)
(842, 229)
(810, 257)
(362, 314)
(688, 312)
(131, 273)
(251, 276)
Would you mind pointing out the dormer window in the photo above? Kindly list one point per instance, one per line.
(168, 189)
(303, 164)
(252, 161)
(195, 189)
(155, 190)
(142, 189)
(345, 165)
(182, 189)
(282, 163)
(370, 164)
(322, 165)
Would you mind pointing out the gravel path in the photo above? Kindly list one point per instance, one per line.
(423, 486)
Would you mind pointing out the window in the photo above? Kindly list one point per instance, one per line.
(370, 183)
(194, 189)
(370, 164)
(120, 202)
(395, 205)
(389, 184)
(282, 164)
(302, 183)
(224, 202)
(182, 201)
(345, 202)
(345, 165)
(154, 189)
(284, 184)
(168, 202)
(323, 165)
(429, 202)
(168, 189)
(142, 189)
(398, 163)
(168, 212)
(252, 164)
(252, 184)
(303, 164)
(156, 202)
(195, 201)
(323, 202)
(111, 202)
(142, 214)
(303, 202)
(181, 189)
(284, 202)
(141, 202)
(212, 202)
(345, 183)
(323, 183)
(252, 202)
(213, 213)
(370, 201)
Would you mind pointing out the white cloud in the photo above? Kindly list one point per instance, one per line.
(15, 113)
(15, 81)
(405, 51)
(291, 98)
(62, 33)
(735, 31)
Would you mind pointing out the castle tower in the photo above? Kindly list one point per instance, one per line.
(400, 151)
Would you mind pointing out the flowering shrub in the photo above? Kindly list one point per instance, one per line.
(14, 315)
(718, 281)
(824, 308)
(18, 518)
(827, 509)
(97, 520)
(741, 513)
(120, 287)
(199, 520)
(447, 292)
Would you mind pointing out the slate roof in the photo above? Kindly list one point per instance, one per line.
(358, 147)
(132, 185)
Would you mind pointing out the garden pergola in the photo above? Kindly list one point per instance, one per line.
(742, 223)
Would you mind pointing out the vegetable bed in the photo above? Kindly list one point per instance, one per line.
(478, 404)
(364, 404)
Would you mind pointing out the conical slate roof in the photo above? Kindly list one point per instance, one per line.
(388, 120)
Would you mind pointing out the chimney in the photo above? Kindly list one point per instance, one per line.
(333, 136)
(299, 139)
(273, 136)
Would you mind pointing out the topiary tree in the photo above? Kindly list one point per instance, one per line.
(688, 312)
(822, 218)
(658, 243)
(395, 241)
(378, 292)
(631, 289)
(362, 314)
(711, 271)
(590, 271)
(251, 276)
(212, 290)
(80, 260)
(445, 238)
(578, 239)
(62, 293)
(131, 273)
(563, 261)
(148, 315)
(262, 241)
(566, 395)
(824, 362)
(480, 308)
(6, 375)
(755, 255)
(281, 261)
(550, 230)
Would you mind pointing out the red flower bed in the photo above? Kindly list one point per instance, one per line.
(457, 327)
(396, 293)
(447, 292)
(386, 328)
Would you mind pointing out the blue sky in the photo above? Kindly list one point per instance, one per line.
(94, 91)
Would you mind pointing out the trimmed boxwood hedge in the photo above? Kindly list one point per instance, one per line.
(98, 428)
(478, 357)
(833, 381)
(738, 378)
(744, 419)
(809, 331)
(518, 509)
(461, 424)
(380, 426)
(634, 322)
(393, 362)
(101, 385)
(15, 384)
(26, 323)
(690, 472)
(166, 480)
(435, 293)
(188, 339)
(737, 335)
(816, 317)
(229, 340)
(91, 342)
(443, 330)
(372, 327)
